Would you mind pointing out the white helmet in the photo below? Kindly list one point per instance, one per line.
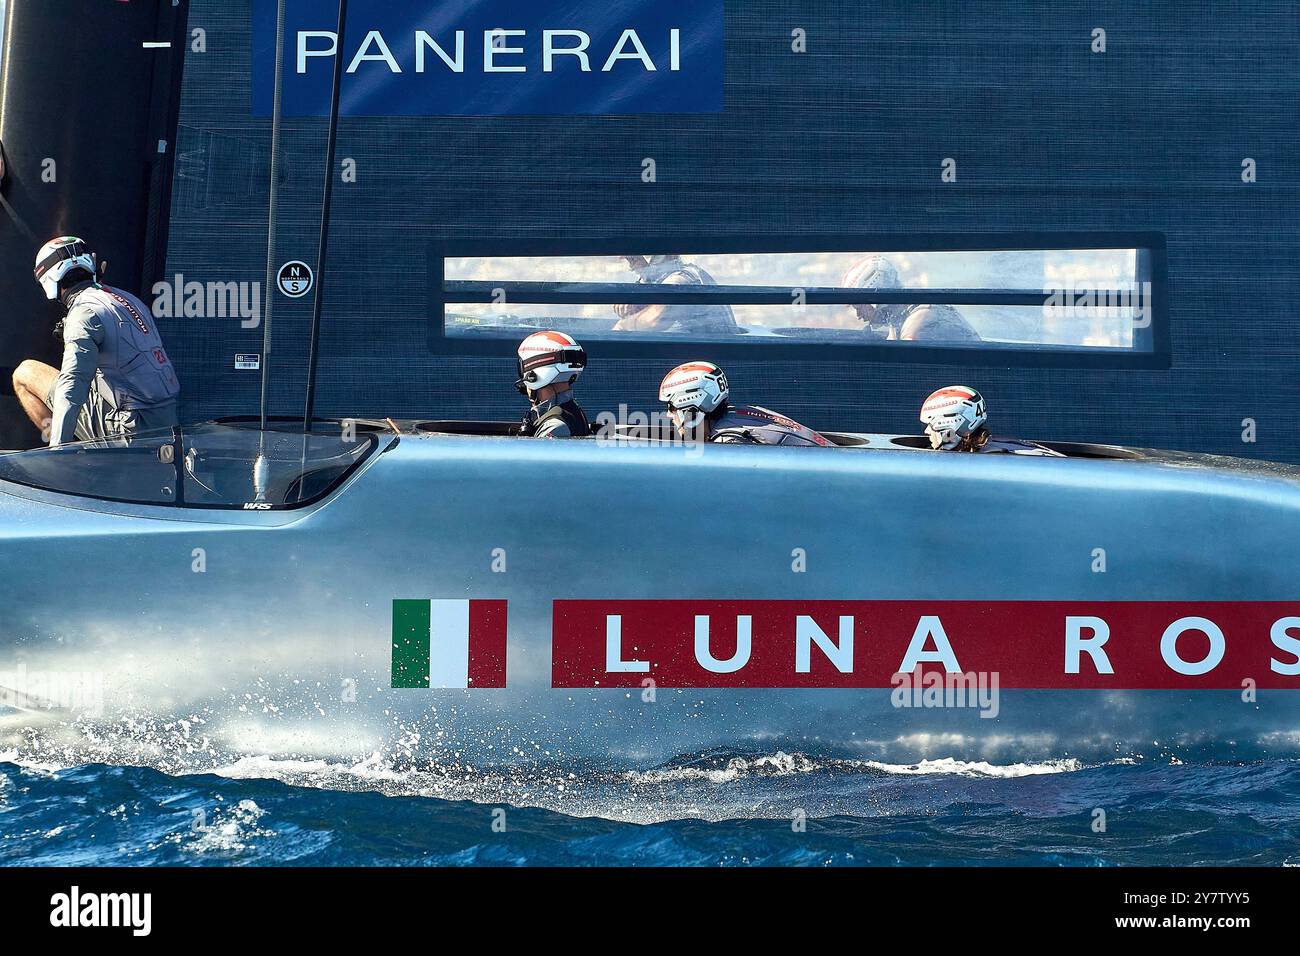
(952, 414)
(60, 256)
(548, 357)
(694, 389)
(871, 272)
(874, 272)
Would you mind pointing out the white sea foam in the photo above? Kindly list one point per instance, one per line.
(265, 767)
(779, 764)
(231, 834)
(979, 768)
(711, 787)
(28, 763)
(783, 764)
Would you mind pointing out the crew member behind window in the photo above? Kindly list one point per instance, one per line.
(703, 321)
(955, 418)
(549, 363)
(907, 323)
(116, 380)
(696, 394)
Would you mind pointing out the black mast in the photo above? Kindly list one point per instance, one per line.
(271, 217)
(327, 197)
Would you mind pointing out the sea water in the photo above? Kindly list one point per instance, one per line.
(721, 808)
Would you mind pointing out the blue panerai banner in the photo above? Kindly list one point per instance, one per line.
(493, 57)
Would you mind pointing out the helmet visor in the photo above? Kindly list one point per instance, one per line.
(71, 250)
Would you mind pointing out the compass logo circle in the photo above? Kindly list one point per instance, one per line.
(295, 279)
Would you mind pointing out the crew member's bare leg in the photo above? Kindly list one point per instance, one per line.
(32, 383)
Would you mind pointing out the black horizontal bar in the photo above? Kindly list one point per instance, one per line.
(857, 243)
(637, 293)
(734, 349)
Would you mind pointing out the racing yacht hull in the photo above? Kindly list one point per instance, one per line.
(630, 603)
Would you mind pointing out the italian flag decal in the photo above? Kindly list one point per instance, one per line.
(449, 643)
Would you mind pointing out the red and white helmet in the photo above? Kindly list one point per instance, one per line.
(57, 258)
(693, 390)
(952, 414)
(549, 357)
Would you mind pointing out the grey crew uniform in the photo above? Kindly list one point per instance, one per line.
(927, 323)
(116, 378)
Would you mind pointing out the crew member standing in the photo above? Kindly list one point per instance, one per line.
(116, 380)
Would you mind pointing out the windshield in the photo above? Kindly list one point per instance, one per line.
(209, 466)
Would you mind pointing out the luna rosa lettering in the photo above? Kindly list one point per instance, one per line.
(1030, 644)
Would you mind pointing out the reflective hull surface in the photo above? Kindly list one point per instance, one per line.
(185, 639)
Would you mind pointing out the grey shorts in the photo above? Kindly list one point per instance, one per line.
(100, 418)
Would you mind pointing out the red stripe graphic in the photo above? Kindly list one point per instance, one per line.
(1029, 644)
(487, 643)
